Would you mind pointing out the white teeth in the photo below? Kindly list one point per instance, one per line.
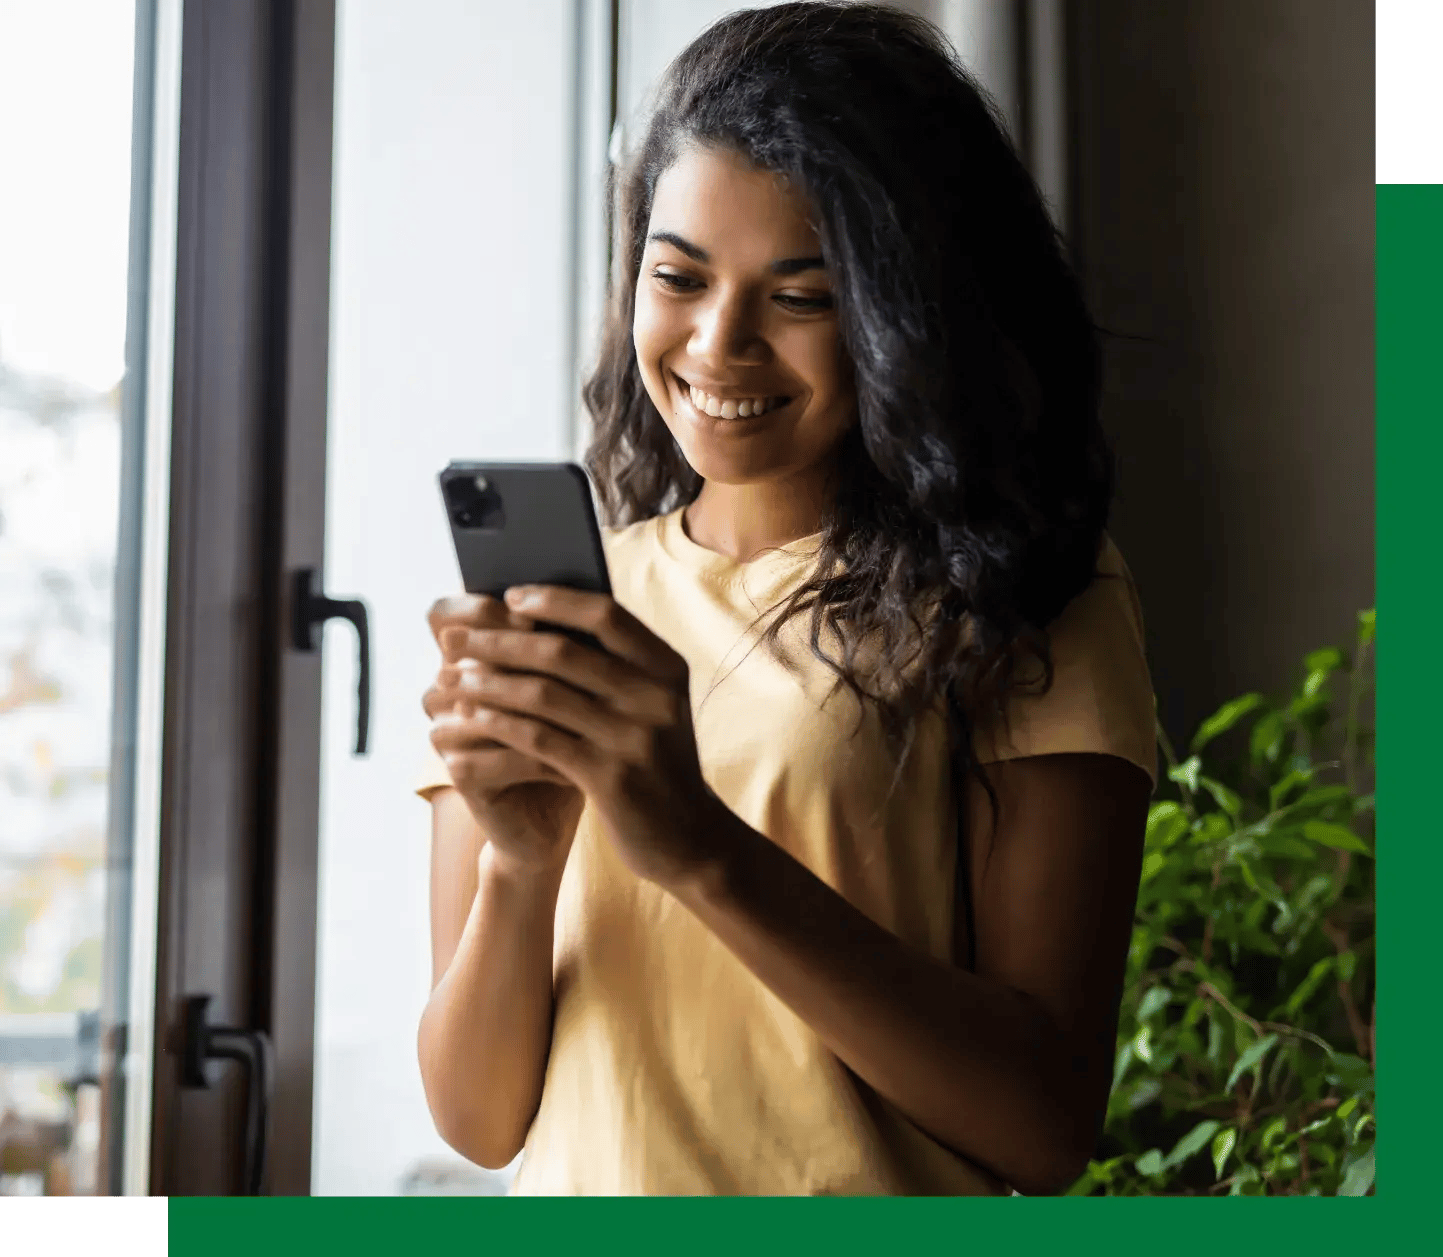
(731, 408)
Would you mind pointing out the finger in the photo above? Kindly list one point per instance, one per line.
(473, 611)
(454, 737)
(498, 765)
(624, 686)
(554, 701)
(446, 695)
(605, 619)
(571, 756)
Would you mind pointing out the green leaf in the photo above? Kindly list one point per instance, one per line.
(1304, 991)
(1142, 1045)
(1329, 659)
(1319, 798)
(1156, 999)
(1194, 1141)
(1358, 1177)
(1223, 1144)
(1151, 1163)
(1225, 798)
(1166, 823)
(1153, 864)
(1124, 1059)
(1287, 847)
(1146, 1091)
(1211, 827)
(1252, 1057)
(1330, 835)
(1275, 1130)
(1246, 870)
(1286, 786)
(1351, 1073)
(1347, 965)
(1347, 1106)
(1186, 772)
(1246, 1181)
(1367, 627)
(1266, 741)
(1225, 718)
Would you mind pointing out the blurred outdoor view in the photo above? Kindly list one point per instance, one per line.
(65, 92)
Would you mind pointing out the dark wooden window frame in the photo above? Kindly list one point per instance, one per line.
(242, 709)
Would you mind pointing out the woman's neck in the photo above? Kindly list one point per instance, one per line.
(744, 521)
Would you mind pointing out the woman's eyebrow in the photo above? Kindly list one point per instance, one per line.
(695, 252)
(786, 266)
(795, 266)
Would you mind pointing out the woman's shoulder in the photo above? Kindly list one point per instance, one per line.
(1101, 697)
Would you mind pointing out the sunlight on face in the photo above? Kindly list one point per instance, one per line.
(736, 328)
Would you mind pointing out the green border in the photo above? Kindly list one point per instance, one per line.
(1409, 285)
(745, 1228)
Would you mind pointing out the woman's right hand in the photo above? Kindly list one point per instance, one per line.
(527, 811)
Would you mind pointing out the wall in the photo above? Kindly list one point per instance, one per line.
(1222, 192)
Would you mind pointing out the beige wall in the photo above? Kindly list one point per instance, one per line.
(1222, 211)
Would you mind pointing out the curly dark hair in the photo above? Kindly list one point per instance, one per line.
(975, 486)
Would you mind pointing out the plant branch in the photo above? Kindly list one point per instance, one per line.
(1170, 755)
(1339, 938)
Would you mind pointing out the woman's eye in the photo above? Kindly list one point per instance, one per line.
(677, 283)
(793, 302)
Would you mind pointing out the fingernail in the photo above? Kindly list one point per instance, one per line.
(521, 597)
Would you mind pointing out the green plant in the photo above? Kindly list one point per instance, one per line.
(1245, 1047)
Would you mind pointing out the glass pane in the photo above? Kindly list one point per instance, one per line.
(451, 306)
(67, 292)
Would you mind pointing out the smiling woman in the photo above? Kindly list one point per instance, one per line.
(701, 919)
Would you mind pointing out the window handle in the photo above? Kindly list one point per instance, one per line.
(310, 609)
(203, 1043)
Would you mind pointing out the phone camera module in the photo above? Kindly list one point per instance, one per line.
(474, 502)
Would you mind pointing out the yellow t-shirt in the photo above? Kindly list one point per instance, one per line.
(673, 1070)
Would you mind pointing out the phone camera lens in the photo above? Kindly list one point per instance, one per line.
(474, 502)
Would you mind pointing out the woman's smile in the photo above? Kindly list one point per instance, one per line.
(726, 411)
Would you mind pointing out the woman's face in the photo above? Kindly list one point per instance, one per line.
(736, 325)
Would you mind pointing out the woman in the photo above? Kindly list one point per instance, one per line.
(695, 918)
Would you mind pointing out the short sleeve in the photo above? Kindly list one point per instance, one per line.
(1101, 699)
(432, 775)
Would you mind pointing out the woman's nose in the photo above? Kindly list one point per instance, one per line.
(726, 331)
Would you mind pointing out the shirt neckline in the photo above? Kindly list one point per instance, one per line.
(672, 534)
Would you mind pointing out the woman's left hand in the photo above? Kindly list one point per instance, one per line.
(617, 724)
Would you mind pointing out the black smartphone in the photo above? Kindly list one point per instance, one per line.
(525, 524)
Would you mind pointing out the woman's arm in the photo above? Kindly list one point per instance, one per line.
(1011, 1066)
(486, 1031)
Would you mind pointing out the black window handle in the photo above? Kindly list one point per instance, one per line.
(202, 1043)
(310, 609)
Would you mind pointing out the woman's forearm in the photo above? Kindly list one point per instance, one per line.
(977, 1065)
(486, 1030)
